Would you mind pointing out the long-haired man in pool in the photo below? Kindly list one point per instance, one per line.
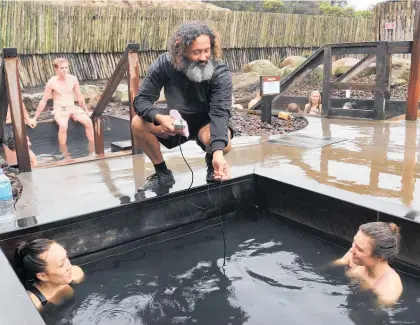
(199, 86)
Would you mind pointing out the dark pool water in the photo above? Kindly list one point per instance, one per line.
(273, 275)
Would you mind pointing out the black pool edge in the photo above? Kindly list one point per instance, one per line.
(297, 207)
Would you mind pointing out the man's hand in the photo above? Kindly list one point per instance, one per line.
(220, 165)
(32, 123)
(167, 123)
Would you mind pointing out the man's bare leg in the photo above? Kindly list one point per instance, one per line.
(87, 123)
(63, 124)
(204, 137)
(145, 138)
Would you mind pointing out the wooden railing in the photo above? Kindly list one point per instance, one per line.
(129, 63)
(379, 52)
(10, 95)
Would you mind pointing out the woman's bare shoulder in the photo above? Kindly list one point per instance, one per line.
(78, 274)
(35, 300)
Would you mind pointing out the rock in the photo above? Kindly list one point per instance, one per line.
(246, 81)
(292, 61)
(340, 71)
(31, 101)
(345, 62)
(343, 65)
(262, 67)
(285, 71)
(121, 94)
(250, 124)
(398, 82)
(254, 101)
(90, 91)
(400, 69)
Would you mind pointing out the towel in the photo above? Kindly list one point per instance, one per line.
(175, 114)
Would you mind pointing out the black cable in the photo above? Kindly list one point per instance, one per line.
(192, 181)
(223, 229)
(208, 195)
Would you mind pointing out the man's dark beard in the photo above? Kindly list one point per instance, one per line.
(198, 73)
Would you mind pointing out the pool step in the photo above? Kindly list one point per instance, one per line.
(120, 145)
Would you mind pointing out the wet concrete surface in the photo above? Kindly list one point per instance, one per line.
(372, 163)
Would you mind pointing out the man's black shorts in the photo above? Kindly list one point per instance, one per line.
(195, 123)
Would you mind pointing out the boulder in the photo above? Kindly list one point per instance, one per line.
(341, 70)
(341, 66)
(262, 68)
(31, 101)
(292, 61)
(400, 69)
(121, 94)
(398, 82)
(90, 91)
(246, 81)
(254, 101)
(285, 71)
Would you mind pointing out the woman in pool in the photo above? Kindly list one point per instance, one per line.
(45, 271)
(367, 260)
(314, 107)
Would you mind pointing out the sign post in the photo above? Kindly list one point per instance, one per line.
(270, 87)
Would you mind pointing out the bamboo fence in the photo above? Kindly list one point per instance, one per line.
(93, 38)
(401, 13)
(39, 28)
(35, 70)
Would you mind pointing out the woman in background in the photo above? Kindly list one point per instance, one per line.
(314, 107)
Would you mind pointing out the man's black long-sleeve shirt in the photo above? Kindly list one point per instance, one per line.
(212, 97)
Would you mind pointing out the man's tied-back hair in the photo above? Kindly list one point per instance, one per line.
(184, 36)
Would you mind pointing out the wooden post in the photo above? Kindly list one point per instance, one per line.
(3, 103)
(16, 109)
(103, 101)
(382, 79)
(98, 133)
(269, 88)
(133, 77)
(266, 109)
(327, 80)
(414, 81)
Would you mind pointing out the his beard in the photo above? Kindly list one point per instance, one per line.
(197, 72)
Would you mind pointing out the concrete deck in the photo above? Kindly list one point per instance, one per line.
(371, 163)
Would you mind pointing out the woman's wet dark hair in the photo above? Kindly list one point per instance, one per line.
(386, 238)
(28, 261)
